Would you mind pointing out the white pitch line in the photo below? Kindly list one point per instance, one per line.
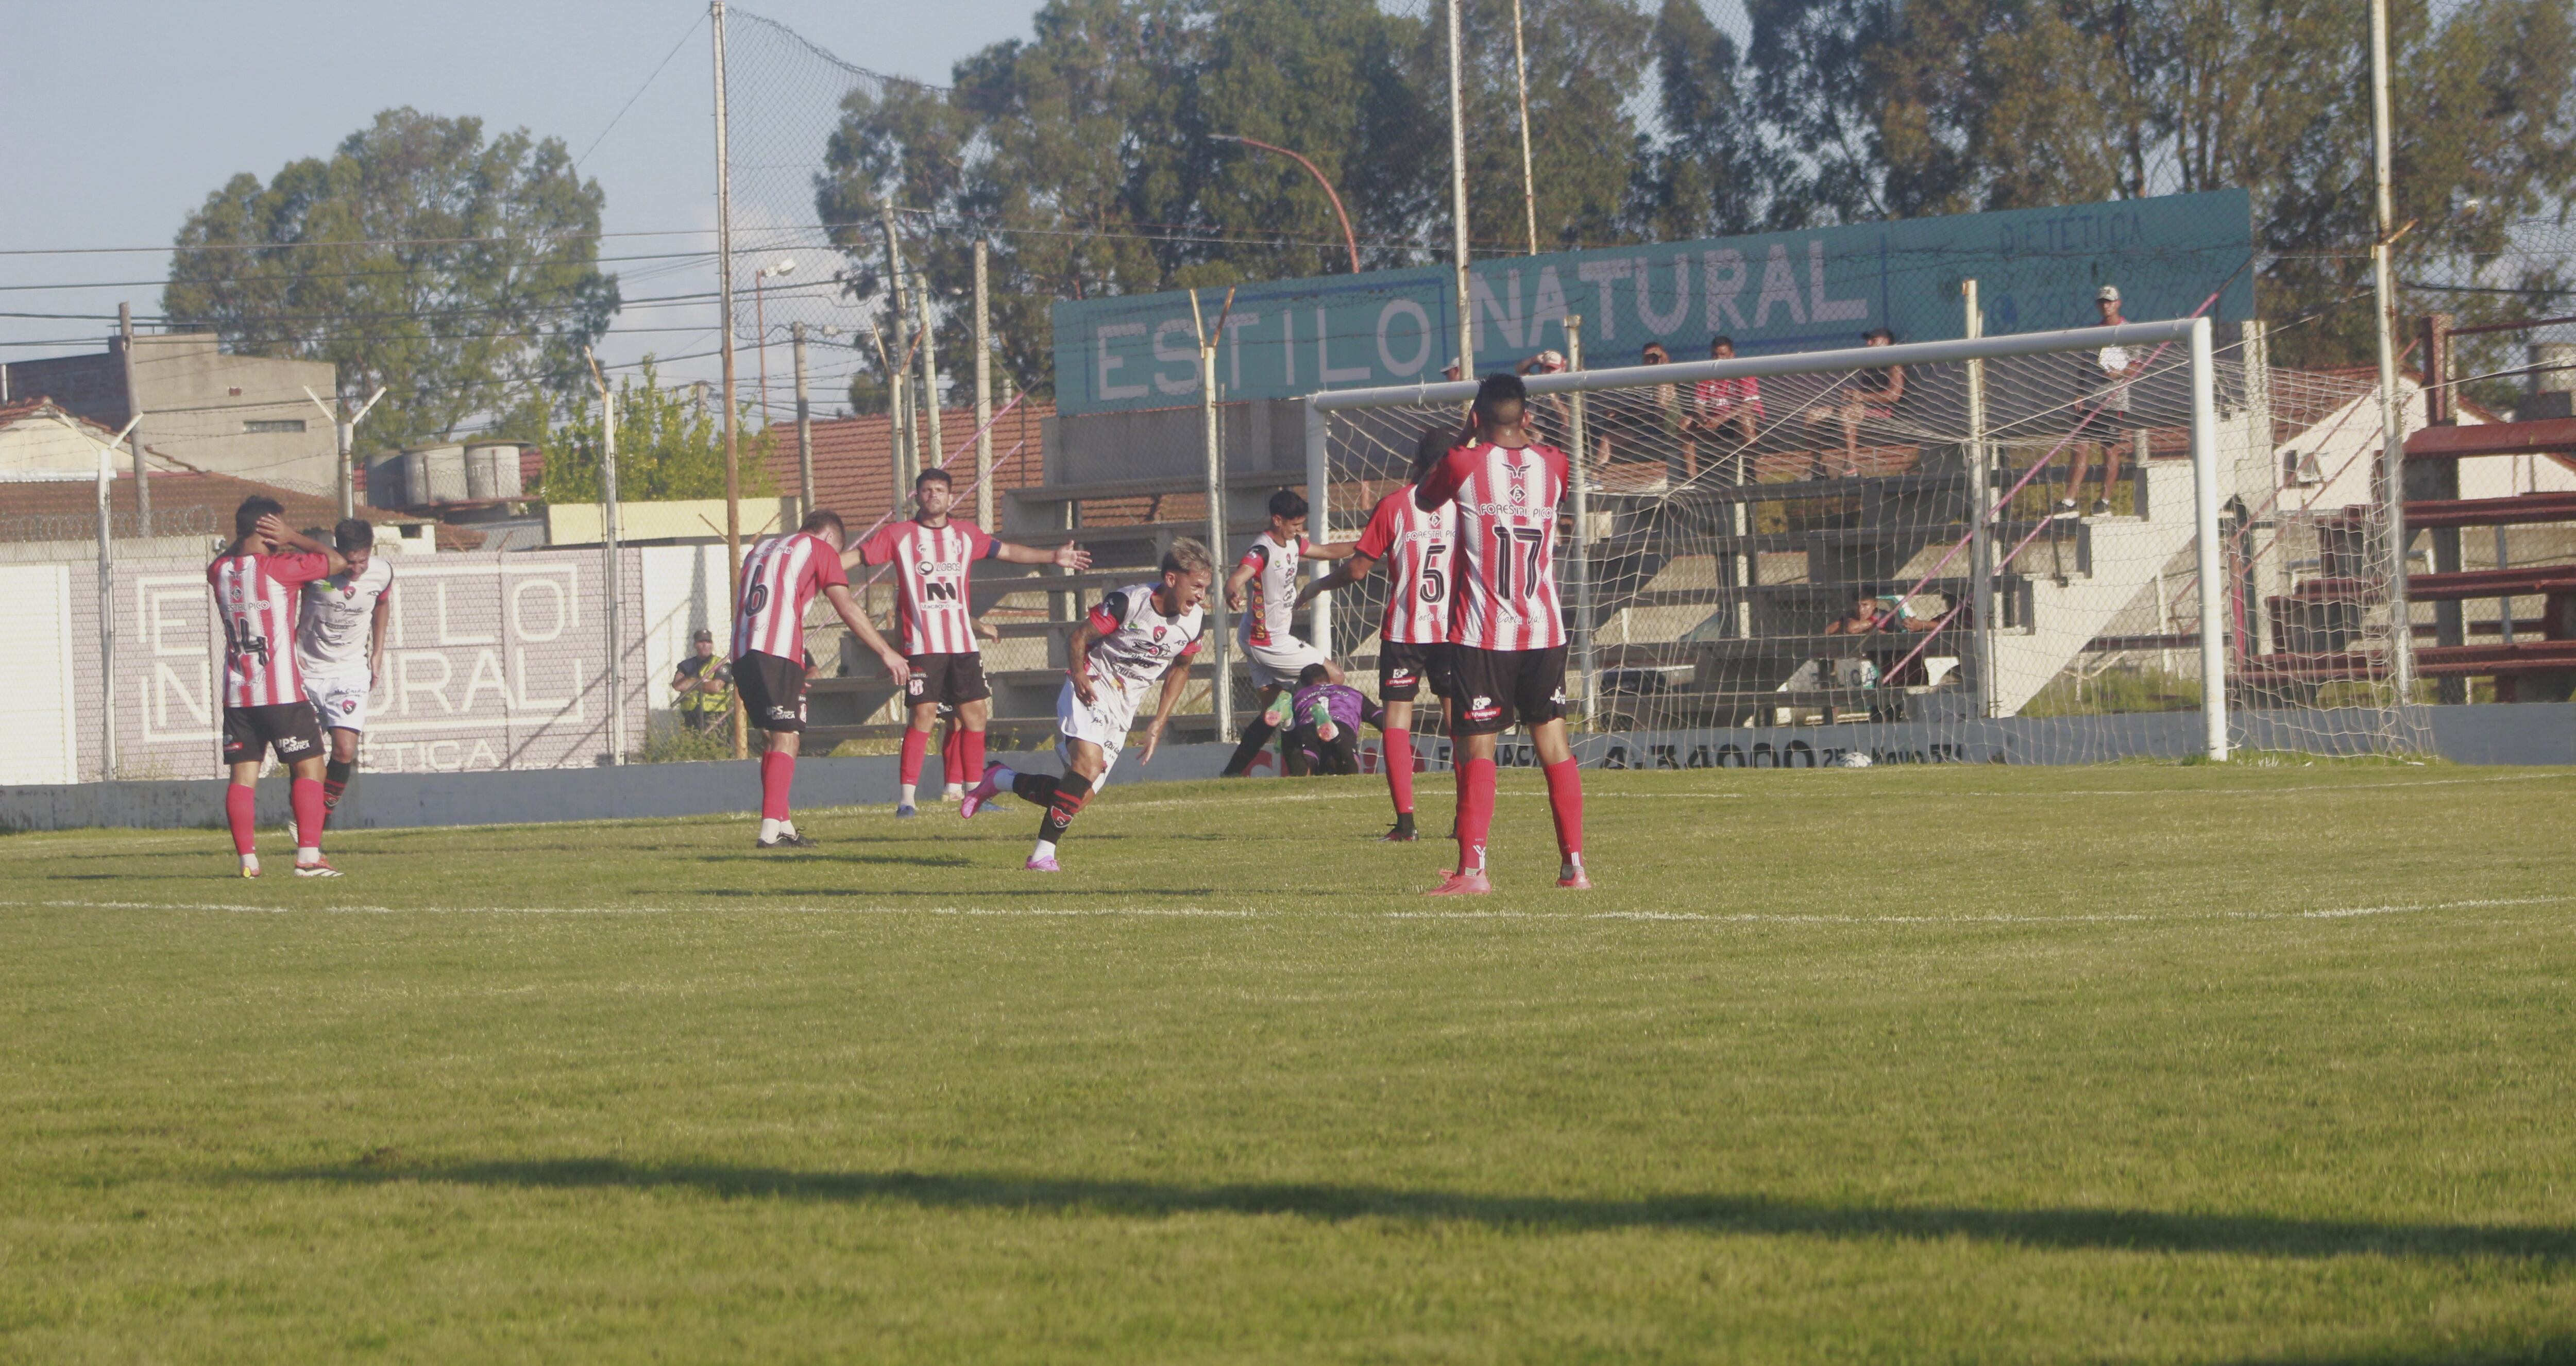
(1207, 912)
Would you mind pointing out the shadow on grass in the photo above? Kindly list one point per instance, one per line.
(2110, 1229)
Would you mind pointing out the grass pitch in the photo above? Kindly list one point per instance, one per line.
(2124, 1063)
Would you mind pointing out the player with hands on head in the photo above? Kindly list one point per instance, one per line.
(1136, 636)
(1263, 588)
(1415, 544)
(780, 578)
(259, 581)
(934, 555)
(1507, 626)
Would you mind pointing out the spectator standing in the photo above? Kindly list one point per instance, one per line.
(704, 683)
(2102, 410)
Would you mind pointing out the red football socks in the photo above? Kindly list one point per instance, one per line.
(968, 746)
(1475, 812)
(1399, 769)
(241, 806)
(915, 744)
(1565, 800)
(306, 796)
(777, 778)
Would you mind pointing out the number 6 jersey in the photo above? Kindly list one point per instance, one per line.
(1414, 545)
(1505, 521)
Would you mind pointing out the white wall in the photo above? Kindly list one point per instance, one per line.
(38, 744)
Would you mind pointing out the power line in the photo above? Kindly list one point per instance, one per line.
(685, 36)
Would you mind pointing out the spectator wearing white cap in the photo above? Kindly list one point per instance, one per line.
(2102, 408)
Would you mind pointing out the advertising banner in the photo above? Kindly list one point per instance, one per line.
(2037, 269)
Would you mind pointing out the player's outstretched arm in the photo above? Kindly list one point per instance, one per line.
(1066, 556)
(1345, 574)
(1234, 583)
(1327, 550)
(1441, 485)
(897, 667)
(1175, 678)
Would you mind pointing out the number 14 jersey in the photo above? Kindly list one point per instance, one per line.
(1503, 512)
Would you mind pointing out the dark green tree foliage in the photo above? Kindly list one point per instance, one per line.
(669, 445)
(357, 259)
(1913, 107)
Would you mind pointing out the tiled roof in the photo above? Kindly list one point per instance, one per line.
(854, 457)
(215, 496)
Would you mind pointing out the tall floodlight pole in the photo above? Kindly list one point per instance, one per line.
(983, 390)
(804, 431)
(2392, 414)
(345, 425)
(760, 326)
(1529, 184)
(1458, 193)
(134, 408)
(106, 593)
(724, 325)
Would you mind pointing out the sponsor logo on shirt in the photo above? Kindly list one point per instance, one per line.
(1482, 709)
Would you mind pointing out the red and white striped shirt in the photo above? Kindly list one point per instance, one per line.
(779, 578)
(934, 604)
(1505, 520)
(260, 597)
(1415, 545)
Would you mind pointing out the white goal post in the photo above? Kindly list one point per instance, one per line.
(2194, 333)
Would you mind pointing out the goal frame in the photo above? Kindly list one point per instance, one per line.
(2195, 332)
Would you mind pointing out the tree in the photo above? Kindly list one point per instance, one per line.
(669, 445)
(460, 274)
(1911, 107)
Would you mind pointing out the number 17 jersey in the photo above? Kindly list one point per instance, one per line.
(1503, 512)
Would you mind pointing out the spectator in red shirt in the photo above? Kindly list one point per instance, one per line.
(1720, 404)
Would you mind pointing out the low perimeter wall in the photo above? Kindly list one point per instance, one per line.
(2529, 733)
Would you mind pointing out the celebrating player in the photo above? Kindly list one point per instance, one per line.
(1136, 635)
(1413, 636)
(779, 578)
(1507, 633)
(256, 582)
(340, 649)
(1268, 635)
(934, 607)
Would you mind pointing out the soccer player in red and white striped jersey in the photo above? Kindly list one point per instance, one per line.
(258, 583)
(779, 580)
(934, 557)
(1507, 633)
(1413, 637)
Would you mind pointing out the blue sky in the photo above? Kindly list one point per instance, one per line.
(124, 114)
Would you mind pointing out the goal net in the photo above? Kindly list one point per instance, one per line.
(1792, 559)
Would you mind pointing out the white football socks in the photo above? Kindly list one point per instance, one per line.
(769, 829)
(954, 792)
(1045, 849)
(906, 789)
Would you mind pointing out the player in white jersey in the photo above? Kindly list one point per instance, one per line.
(1135, 636)
(1263, 587)
(256, 582)
(934, 557)
(780, 577)
(1413, 637)
(340, 649)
